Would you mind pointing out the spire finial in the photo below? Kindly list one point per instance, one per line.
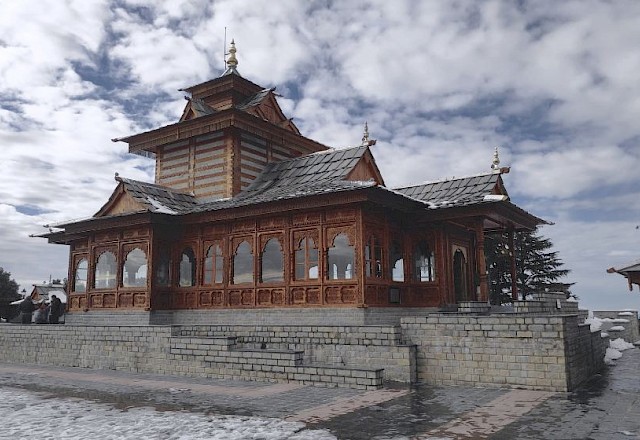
(366, 142)
(495, 165)
(232, 61)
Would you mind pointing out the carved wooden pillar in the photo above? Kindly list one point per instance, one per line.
(481, 261)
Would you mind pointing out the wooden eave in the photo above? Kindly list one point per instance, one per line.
(151, 140)
(81, 229)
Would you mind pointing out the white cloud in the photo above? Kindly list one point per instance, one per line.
(440, 84)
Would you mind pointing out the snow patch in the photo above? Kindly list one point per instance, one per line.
(620, 320)
(616, 328)
(620, 344)
(159, 207)
(611, 355)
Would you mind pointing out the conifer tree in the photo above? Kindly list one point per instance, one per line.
(538, 268)
(8, 293)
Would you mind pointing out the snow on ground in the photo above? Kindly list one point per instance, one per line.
(615, 349)
(38, 416)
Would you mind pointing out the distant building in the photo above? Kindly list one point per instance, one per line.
(246, 213)
(631, 272)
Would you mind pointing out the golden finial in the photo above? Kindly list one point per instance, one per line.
(232, 61)
(366, 142)
(495, 165)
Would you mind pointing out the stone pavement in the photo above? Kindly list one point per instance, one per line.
(608, 407)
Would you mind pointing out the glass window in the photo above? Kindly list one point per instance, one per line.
(243, 264)
(340, 259)
(187, 268)
(424, 262)
(396, 262)
(373, 258)
(272, 267)
(105, 276)
(213, 265)
(306, 260)
(80, 282)
(134, 270)
(163, 272)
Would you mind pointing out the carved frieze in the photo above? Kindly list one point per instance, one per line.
(307, 218)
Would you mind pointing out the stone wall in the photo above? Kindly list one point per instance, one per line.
(266, 316)
(356, 357)
(537, 352)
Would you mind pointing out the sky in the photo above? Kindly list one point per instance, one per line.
(553, 84)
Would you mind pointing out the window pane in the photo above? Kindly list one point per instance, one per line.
(105, 275)
(219, 264)
(163, 269)
(187, 268)
(272, 264)
(396, 262)
(424, 263)
(243, 264)
(340, 259)
(208, 265)
(80, 284)
(306, 260)
(134, 271)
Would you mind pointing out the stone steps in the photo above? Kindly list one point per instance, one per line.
(223, 357)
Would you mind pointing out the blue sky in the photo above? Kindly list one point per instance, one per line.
(553, 84)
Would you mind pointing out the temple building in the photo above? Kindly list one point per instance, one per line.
(248, 214)
(630, 271)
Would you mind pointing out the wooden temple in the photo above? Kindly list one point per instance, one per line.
(245, 212)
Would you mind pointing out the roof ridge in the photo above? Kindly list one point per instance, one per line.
(154, 185)
(430, 182)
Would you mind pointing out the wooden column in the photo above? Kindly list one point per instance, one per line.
(512, 255)
(481, 262)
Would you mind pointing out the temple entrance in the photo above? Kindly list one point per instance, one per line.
(460, 275)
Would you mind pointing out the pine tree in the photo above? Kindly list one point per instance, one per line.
(538, 269)
(8, 293)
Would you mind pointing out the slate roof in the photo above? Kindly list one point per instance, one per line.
(160, 199)
(256, 99)
(200, 108)
(462, 191)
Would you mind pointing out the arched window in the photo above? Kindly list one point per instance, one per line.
(134, 269)
(213, 265)
(105, 274)
(340, 259)
(306, 260)
(243, 264)
(373, 257)
(424, 262)
(187, 268)
(163, 272)
(80, 278)
(272, 267)
(396, 262)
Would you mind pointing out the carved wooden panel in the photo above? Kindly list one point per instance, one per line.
(217, 298)
(214, 230)
(275, 296)
(142, 245)
(340, 215)
(264, 238)
(243, 225)
(77, 302)
(306, 295)
(191, 300)
(205, 299)
(125, 300)
(307, 218)
(109, 300)
(140, 300)
(133, 233)
(102, 237)
(235, 242)
(376, 295)
(272, 223)
(341, 294)
(299, 235)
(333, 232)
(241, 297)
(80, 245)
(95, 301)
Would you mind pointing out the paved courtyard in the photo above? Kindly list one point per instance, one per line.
(608, 407)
